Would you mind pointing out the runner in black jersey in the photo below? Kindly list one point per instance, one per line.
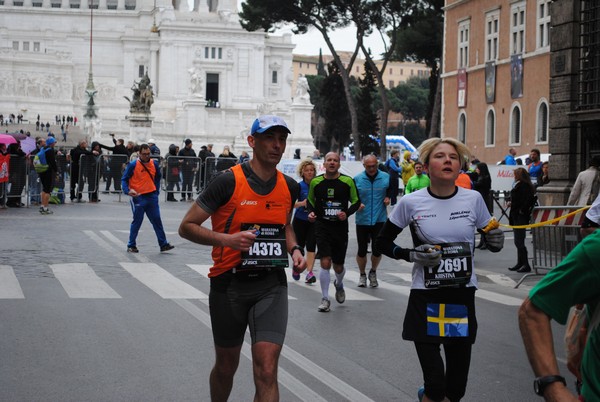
(332, 198)
(443, 219)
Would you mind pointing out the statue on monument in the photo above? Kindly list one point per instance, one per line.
(302, 95)
(196, 81)
(143, 96)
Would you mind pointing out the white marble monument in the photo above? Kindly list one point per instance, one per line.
(210, 77)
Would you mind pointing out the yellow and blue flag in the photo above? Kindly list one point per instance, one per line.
(447, 320)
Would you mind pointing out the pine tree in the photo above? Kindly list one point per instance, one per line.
(335, 109)
(367, 118)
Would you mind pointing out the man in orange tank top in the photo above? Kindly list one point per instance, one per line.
(250, 208)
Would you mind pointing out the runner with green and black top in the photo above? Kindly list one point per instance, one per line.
(332, 198)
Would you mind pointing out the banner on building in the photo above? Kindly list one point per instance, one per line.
(462, 87)
(516, 76)
(490, 82)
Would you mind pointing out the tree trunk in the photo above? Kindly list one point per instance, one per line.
(436, 112)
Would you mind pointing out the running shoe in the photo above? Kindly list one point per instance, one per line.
(310, 278)
(362, 281)
(421, 393)
(132, 249)
(295, 275)
(373, 279)
(324, 307)
(340, 293)
(166, 247)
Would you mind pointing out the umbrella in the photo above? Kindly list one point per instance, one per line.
(18, 136)
(7, 139)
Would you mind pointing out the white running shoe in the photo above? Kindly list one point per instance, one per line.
(324, 307)
(362, 281)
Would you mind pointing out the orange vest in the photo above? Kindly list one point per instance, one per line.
(463, 180)
(246, 206)
(140, 180)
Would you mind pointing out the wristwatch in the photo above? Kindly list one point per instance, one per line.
(540, 383)
(297, 247)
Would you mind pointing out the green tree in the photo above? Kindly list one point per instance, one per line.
(323, 15)
(335, 109)
(412, 98)
(420, 38)
(367, 118)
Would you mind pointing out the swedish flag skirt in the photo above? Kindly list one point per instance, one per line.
(441, 316)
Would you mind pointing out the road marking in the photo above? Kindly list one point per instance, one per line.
(203, 270)
(162, 282)
(401, 289)
(290, 382)
(504, 280)
(351, 294)
(404, 276)
(81, 282)
(9, 284)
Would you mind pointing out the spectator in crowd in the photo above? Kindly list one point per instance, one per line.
(226, 159)
(205, 152)
(418, 181)
(47, 177)
(77, 174)
(394, 169)
(297, 153)
(244, 157)
(483, 185)
(141, 181)
(544, 178)
(534, 166)
(173, 172)
(154, 150)
(117, 162)
(17, 177)
(4, 173)
(522, 200)
(35, 187)
(585, 190)
(510, 158)
(408, 167)
(373, 190)
(93, 164)
(189, 166)
(464, 180)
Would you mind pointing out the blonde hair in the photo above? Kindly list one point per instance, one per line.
(428, 145)
(303, 164)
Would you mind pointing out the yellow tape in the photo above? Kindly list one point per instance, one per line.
(550, 222)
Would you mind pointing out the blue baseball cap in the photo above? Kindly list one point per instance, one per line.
(265, 122)
(50, 141)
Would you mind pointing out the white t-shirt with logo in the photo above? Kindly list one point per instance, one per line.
(441, 221)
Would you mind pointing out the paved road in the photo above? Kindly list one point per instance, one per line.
(80, 319)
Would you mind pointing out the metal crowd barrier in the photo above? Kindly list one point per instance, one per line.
(553, 242)
(112, 168)
(214, 165)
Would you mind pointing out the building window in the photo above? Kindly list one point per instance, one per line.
(490, 128)
(55, 5)
(220, 53)
(212, 87)
(357, 69)
(15, 45)
(543, 23)
(463, 44)
(130, 4)
(542, 122)
(401, 71)
(300, 64)
(274, 77)
(462, 128)
(26, 46)
(391, 71)
(213, 52)
(141, 70)
(36, 46)
(36, 4)
(111, 4)
(517, 28)
(492, 27)
(515, 125)
(589, 58)
(391, 84)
